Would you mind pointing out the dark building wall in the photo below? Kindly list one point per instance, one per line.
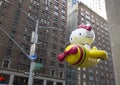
(51, 13)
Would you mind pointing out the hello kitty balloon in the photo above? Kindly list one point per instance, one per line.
(84, 35)
(78, 53)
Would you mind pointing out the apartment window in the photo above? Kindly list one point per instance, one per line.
(48, 22)
(61, 74)
(15, 24)
(1, 3)
(11, 43)
(6, 63)
(49, 82)
(63, 11)
(82, 13)
(84, 83)
(42, 61)
(30, 6)
(53, 54)
(90, 70)
(52, 63)
(97, 78)
(24, 37)
(57, 0)
(55, 18)
(82, 18)
(62, 23)
(82, 9)
(84, 76)
(56, 13)
(8, 51)
(46, 8)
(56, 7)
(91, 77)
(25, 46)
(26, 29)
(84, 69)
(62, 16)
(62, 42)
(61, 65)
(54, 38)
(61, 49)
(12, 34)
(21, 0)
(53, 46)
(98, 38)
(96, 71)
(31, 0)
(52, 72)
(43, 52)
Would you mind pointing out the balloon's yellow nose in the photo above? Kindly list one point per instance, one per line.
(75, 38)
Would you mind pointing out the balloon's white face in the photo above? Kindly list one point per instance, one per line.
(82, 36)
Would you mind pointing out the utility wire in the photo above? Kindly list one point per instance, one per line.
(13, 41)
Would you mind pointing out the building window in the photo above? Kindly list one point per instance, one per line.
(84, 69)
(21, 0)
(84, 76)
(63, 11)
(61, 74)
(49, 82)
(91, 77)
(12, 34)
(52, 72)
(61, 49)
(62, 16)
(55, 18)
(6, 64)
(8, 51)
(52, 63)
(54, 38)
(53, 54)
(56, 13)
(61, 65)
(56, 7)
(54, 47)
(84, 83)
(1, 3)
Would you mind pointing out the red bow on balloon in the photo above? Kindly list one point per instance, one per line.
(62, 56)
(87, 27)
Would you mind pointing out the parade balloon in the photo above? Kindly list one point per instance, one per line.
(80, 56)
(79, 53)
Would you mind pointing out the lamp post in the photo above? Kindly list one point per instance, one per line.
(32, 53)
(34, 39)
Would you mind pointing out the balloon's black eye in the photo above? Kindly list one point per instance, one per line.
(79, 33)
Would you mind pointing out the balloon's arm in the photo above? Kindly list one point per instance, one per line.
(98, 54)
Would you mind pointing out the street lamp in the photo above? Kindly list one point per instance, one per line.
(34, 39)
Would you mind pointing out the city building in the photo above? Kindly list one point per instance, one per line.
(17, 19)
(102, 73)
(113, 12)
(97, 6)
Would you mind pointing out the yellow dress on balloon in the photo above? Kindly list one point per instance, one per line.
(80, 56)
